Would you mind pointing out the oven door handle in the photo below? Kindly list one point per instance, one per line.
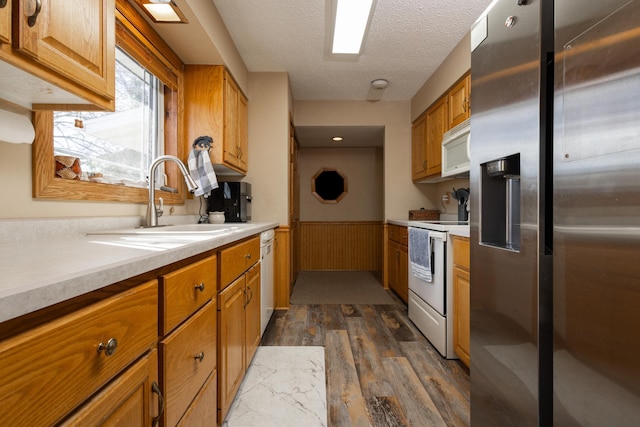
(433, 262)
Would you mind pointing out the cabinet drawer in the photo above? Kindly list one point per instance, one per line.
(461, 250)
(398, 234)
(237, 259)
(183, 371)
(48, 371)
(202, 411)
(184, 291)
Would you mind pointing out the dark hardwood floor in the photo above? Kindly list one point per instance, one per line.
(381, 371)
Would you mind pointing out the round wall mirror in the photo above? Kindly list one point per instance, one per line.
(329, 185)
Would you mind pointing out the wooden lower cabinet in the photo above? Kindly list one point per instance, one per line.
(252, 314)
(231, 354)
(188, 359)
(129, 400)
(87, 348)
(238, 322)
(202, 413)
(461, 302)
(398, 261)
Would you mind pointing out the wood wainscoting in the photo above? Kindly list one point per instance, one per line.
(341, 246)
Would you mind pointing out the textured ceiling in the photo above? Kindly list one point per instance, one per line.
(407, 41)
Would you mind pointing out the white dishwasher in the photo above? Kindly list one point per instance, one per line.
(266, 278)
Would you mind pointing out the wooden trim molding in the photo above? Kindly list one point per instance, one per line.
(282, 277)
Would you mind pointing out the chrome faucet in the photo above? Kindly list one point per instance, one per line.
(154, 212)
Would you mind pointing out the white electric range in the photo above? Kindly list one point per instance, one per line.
(431, 302)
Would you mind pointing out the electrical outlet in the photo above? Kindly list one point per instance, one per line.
(445, 198)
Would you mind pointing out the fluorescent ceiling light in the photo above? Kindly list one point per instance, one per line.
(350, 25)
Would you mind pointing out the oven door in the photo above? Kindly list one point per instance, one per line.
(433, 293)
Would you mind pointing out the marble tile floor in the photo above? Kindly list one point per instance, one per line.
(284, 386)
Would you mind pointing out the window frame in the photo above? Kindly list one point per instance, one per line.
(140, 41)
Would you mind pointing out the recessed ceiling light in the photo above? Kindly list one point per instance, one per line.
(336, 138)
(350, 23)
(162, 11)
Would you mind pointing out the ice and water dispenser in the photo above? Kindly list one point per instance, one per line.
(500, 203)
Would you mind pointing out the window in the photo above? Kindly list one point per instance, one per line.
(329, 185)
(142, 53)
(117, 147)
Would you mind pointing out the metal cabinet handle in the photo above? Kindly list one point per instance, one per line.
(109, 348)
(32, 19)
(156, 389)
(199, 356)
(200, 287)
(464, 105)
(248, 256)
(250, 295)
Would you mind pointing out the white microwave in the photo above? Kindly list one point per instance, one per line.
(455, 150)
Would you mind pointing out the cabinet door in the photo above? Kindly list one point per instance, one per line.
(252, 313)
(75, 38)
(459, 102)
(230, 121)
(419, 149)
(5, 22)
(394, 263)
(461, 318)
(403, 273)
(436, 126)
(231, 344)
(243, 132)
(126, 401)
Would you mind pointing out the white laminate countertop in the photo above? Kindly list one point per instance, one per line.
(462, 231)
(44, 262)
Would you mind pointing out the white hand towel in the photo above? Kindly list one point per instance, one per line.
(420, 253)
(201, 170)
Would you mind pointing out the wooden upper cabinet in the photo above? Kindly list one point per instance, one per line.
(74, 38)
(243, 132)
(215, 106)
(426, 141)
(436, 126)
(459, 102)
(419, 148)
(5, 21)
(449, 110)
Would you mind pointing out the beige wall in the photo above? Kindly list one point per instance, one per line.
(400, 193)
(363, 170)
(452, 68)
(269, 146)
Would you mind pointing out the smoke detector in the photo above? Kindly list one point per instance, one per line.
(379, 84)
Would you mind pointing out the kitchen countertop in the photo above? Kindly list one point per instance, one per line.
(462, 231)
(45, 262)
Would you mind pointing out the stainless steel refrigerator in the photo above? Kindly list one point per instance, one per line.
(555, 218)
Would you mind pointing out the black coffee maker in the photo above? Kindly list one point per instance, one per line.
(232, 198)
(462, 196)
